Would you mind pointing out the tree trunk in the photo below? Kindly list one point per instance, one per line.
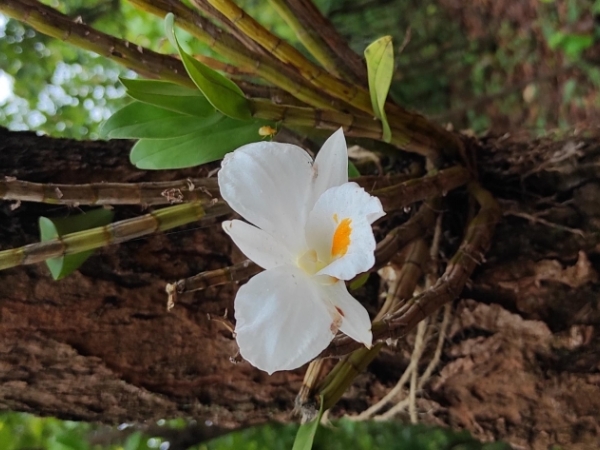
(521, 360)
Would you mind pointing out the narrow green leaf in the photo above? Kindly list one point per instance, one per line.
(142, 121)
(380, 69)
(53, 228)
(221, 92)
(359, 282)
(168, 96)
(352, 170)
(306, 432)
(201, 147)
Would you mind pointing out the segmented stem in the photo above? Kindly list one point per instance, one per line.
(227, 46)
(115, 233)
(217, 277)
(351, 94)
(316, 24)
(439, 183)
(148, 194)
(311, 41)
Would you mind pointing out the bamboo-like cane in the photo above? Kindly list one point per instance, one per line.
(410, 131)
(147, 194)
(311, 41)
(395, 191)
(227, 46)
(351, 94)
(350, 63)
(114, 233)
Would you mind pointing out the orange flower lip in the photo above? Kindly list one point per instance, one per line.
(341, 237)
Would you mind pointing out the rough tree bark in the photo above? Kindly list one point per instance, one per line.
(521, 362)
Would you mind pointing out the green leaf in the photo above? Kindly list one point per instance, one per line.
(53, 228)
(359, 281)
(168, 96)
(133, 441)
(200, 147)
(142, 121)
(575, 44)
(380, 69)
(221, 92)
(71, 441)
(306, 432)
(555, 39)
(352, 170)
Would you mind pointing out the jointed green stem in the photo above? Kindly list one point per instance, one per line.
(311, 41)
(115, 233)
(352, 65)
(353, 95)
(227, 46)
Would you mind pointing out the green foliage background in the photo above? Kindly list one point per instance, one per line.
(22, 431)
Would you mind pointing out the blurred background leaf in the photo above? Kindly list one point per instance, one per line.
(23, 431)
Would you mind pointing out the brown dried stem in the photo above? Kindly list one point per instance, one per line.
(204, 280)
(148, 194)
(439, 183)
(49, 21)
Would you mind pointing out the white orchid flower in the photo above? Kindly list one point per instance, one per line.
(310, 229)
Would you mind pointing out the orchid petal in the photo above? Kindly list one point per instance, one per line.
(257, 245)
(268, 183)
(331, 165)
(339, 230)
(355, 321)
(282, 320)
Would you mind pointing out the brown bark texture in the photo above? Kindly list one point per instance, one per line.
(521, 360)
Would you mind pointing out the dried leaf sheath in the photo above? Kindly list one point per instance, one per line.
(115, 233)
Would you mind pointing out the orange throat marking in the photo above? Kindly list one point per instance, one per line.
(341, 237)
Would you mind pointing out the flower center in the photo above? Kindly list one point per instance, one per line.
(309, 262)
